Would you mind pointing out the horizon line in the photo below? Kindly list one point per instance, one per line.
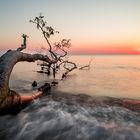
(3, 52)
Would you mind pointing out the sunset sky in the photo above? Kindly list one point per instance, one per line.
(94, 26)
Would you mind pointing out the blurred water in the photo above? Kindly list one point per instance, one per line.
(52, 120)
(76, 116)
(115, 76)
(109, 75)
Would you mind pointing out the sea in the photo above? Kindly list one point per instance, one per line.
(76, 108)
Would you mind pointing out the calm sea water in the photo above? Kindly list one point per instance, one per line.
(109, 75)
(74, 116)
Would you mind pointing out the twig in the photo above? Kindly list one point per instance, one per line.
(23, 46)
(86, 66)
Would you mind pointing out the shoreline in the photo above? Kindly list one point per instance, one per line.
(91, 101)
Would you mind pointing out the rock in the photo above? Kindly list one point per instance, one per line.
(40, 71)
(45, 88)
(34, 84)
(54, 83)
(63, 76)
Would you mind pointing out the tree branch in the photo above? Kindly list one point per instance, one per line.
(23, 46)
(7, 62)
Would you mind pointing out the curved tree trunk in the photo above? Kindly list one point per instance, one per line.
(7, 62)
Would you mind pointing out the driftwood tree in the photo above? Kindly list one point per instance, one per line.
(52, 62)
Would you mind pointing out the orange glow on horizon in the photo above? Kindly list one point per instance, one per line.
(34, 46)
(82, 49)
(105, 50)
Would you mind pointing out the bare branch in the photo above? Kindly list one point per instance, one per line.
(23, 46)
(57, 51)
(47, 32)
(68, 69)
(86, 66)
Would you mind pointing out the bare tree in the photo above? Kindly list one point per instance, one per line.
(57, 51)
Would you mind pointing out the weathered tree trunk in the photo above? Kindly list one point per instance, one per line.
(7, 62)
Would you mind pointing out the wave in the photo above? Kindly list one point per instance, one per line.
(79, 117)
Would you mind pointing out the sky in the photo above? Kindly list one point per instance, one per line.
(94, 26)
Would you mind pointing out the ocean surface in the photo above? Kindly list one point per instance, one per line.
(109, 75)
(84, 106)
